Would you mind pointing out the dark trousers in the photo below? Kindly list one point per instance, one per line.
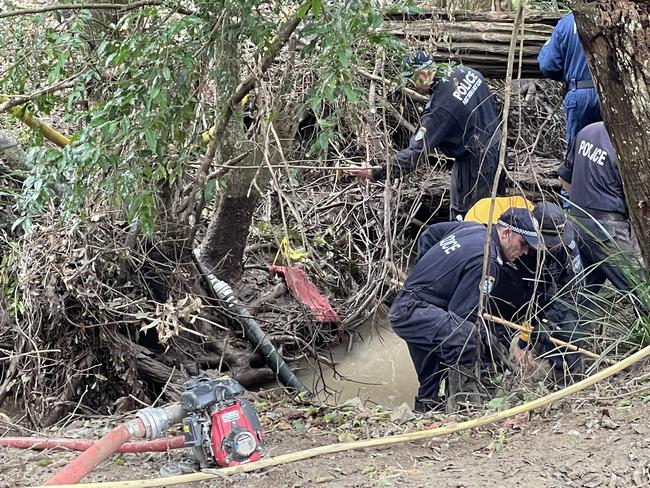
(472, 180)
(437, 339)
(610, 251)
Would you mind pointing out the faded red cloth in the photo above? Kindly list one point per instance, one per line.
(306, 293)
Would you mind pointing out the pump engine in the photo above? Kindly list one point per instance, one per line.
(221, 428)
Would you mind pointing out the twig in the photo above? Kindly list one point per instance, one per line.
(519, 18)
(411, 93)
(162, 392)
(92, 6)
(296, 166)
(14, 101)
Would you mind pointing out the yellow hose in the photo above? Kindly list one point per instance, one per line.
(48, 132)
(363, 444)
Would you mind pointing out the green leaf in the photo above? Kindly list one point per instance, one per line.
(347, 437)
(150, 137)
(167, 74)
(316, 7)
(23, 222)
(323, 140)
(122, 55)
(499, 402)
(351, 94)
(210, 190)
(328, 417)
(304, 8)
(319, 241)
(155, 91)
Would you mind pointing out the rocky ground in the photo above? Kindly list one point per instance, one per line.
(598, 439)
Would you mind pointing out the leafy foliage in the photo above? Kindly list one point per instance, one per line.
(148, 82)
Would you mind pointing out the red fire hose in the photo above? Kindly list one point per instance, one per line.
(98, 452)
(150, 423)
(42, 443)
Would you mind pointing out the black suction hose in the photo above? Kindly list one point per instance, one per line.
(252, 330)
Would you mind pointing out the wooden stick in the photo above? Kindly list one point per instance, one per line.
(557, 342)
(297, 166)
(48, 132)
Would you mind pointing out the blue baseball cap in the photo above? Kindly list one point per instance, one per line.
(417, 61)
(555, 229)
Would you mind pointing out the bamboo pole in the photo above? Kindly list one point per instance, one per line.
(557, 342)
(521, 328)
(385, 441)
(48, 132)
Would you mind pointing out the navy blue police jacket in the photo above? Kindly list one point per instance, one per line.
(591, 166)
(449, 267)
(562, 57)
(556, 287)
(459, 119)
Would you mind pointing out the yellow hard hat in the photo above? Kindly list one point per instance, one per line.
(480, 212)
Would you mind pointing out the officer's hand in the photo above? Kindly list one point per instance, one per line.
(360, 172)
(522, 358)
(540, 332)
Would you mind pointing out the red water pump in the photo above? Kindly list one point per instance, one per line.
(221, 429)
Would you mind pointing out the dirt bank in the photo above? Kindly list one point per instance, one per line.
(598, 439)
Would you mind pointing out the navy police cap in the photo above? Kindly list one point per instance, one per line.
(417, 61)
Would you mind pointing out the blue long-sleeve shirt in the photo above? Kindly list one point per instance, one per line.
(562, 57)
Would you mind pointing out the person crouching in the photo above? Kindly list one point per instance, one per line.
(436, 311)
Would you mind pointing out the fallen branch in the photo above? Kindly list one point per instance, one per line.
(13, 101)
(92, 6)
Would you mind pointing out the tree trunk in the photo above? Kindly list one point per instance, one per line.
(616, 38)
(480, 40)
(12, 156)
(223, 245)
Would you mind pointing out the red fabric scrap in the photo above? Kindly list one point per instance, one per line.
(306, 293)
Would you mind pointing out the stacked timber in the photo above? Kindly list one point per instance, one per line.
(480, 40)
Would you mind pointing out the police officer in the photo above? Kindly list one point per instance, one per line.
(459, 119)
(436, 311)
(551, 279)
(563, 59)
(590, 175)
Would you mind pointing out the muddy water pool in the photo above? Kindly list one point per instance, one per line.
(377, 369)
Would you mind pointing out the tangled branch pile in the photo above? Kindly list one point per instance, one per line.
(103, 326)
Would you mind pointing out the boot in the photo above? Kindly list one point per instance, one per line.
(462, 388)
(424, 405)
